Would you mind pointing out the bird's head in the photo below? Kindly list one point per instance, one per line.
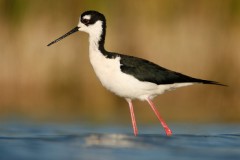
(91, 22)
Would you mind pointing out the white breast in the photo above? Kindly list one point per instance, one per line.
(109, 73)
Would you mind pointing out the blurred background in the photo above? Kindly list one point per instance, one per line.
(57, 83)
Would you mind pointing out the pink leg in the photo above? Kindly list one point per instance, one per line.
(134, 124)
(166, 128)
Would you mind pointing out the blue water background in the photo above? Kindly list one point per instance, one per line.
(38, 141)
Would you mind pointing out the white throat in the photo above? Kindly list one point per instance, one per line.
(95, 32)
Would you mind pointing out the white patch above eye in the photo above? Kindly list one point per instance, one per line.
(88, 17)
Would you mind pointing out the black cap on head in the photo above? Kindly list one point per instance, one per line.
(94, 16)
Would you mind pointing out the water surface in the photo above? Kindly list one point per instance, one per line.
(76, 141)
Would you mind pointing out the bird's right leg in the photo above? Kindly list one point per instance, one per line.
(166, 128)
(134, 124)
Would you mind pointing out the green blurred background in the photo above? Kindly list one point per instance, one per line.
(57, 83)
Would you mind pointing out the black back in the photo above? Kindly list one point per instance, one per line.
(147, 71)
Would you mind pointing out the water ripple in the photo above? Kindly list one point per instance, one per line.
(61, 142)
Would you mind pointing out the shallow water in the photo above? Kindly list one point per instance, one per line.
(76, 141)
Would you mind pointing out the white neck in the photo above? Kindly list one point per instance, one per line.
(95, 32)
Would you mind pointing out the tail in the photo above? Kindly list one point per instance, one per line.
(208, 82)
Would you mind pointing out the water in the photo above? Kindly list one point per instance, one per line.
(28, 141)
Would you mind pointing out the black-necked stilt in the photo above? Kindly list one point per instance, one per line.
(127, 76)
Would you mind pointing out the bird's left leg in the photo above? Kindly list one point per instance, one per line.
(134, 124)
(166, 128)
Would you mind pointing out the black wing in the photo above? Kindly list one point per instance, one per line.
(147, 71)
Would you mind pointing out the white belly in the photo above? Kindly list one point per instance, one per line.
(109, 73)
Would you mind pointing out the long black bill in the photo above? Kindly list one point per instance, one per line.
(64, 36)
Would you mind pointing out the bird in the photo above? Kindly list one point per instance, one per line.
(128, 76)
